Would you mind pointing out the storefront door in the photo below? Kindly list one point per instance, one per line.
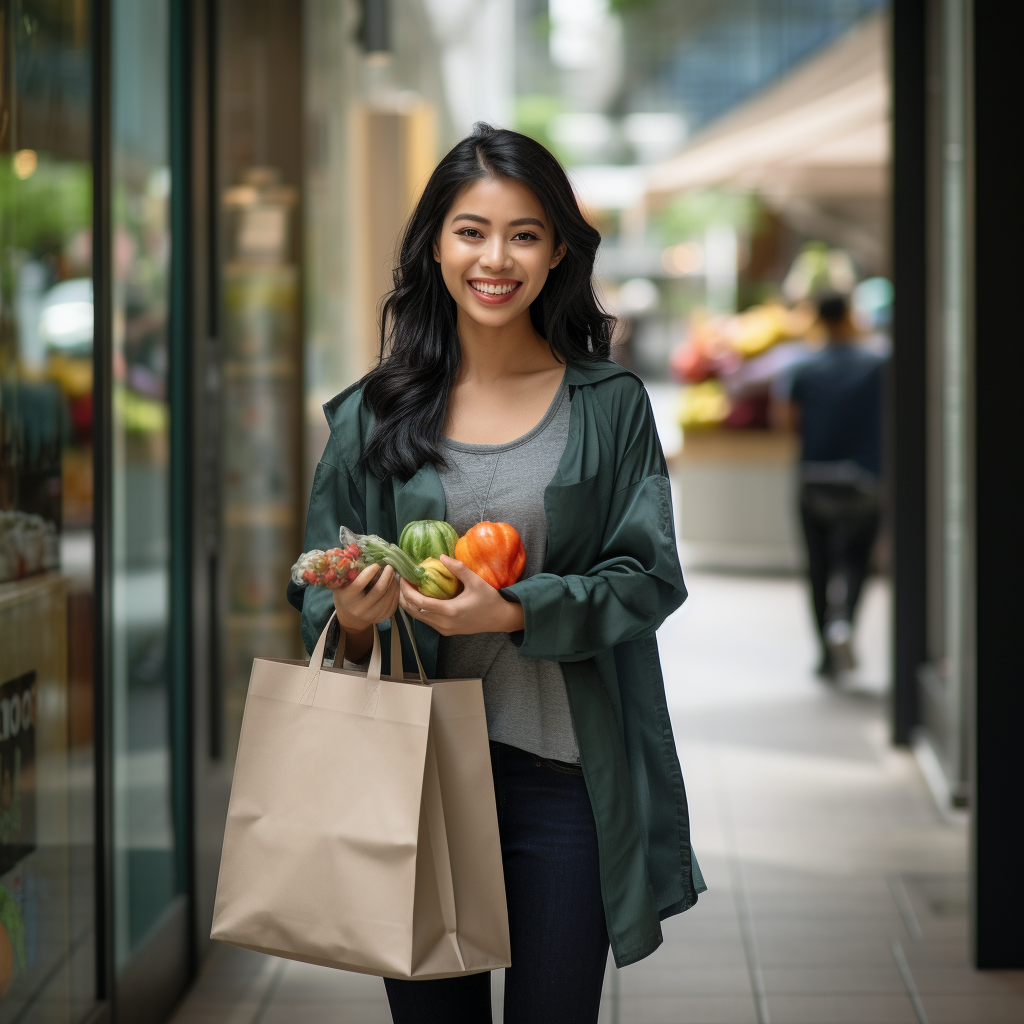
(148, 902)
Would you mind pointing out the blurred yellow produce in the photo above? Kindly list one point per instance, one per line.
(703, 405)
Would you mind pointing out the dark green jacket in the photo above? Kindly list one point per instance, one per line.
(611, 576)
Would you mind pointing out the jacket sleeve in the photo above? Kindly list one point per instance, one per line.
(637, 581)
(335, 499)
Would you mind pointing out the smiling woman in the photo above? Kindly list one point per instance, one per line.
(497, 211)
(494, 401)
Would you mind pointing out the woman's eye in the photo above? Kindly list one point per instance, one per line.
(471, 233)
(524, 236)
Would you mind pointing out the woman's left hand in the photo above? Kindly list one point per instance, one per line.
(478, 609)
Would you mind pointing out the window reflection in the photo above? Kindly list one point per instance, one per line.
(259, 159)
(47, 915)
(144, 867)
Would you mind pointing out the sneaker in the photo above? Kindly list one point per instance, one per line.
(838, 637)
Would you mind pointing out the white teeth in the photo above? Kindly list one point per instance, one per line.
(494, 289)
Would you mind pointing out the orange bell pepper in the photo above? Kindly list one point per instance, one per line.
(494, 551)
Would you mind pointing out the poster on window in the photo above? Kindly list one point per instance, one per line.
(17, 769)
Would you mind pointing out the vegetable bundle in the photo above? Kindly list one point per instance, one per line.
(339, 566)
(493, 551)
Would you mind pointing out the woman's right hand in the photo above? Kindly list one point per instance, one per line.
(370, 598)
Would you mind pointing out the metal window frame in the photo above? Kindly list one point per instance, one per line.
(102, 413)
(132, 996)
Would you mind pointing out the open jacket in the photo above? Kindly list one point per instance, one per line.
(611, 576)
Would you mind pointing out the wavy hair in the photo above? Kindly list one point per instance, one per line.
(408, 389)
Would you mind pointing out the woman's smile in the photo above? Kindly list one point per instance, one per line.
(494, 291)
(496, 248)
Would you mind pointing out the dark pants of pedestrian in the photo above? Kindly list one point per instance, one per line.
(555, 914)
(840, 526)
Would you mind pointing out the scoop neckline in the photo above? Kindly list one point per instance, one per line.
(537, 428)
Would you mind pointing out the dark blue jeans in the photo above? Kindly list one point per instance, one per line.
(555, 913)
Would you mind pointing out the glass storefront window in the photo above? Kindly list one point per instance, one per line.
(259, 161)
(145, 877)
(47, 910)
(381, 121)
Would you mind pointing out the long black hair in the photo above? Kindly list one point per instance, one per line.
(419, 348)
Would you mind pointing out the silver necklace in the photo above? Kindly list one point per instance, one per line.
(490, 484)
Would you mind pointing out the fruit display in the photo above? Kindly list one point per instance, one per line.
(729, 361)
(494, 551)
(703, 405)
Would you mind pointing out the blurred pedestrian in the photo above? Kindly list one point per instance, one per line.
(494, 399)
(834, 399)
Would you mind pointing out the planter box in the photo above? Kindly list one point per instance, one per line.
(736, 500)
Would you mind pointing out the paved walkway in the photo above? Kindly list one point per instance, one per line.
(837, 890)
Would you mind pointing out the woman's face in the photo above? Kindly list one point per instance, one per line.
(496, 248)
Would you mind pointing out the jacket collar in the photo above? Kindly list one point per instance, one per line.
(579, 374)
(336, 412)
(422, 496)
(576, 373)
(423, 490)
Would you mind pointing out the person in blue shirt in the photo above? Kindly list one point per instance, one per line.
(834, 398)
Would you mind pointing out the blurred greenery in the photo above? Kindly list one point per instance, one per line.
(533, 113)
(39, 213)
(680, 296)
(139, 414)
(691, 214)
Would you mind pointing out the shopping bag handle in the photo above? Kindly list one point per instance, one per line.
(374, 668)
(316, 658)
(397, 660)
(373, 672)
(412, 642)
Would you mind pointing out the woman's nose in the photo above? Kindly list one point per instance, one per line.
(495, 255)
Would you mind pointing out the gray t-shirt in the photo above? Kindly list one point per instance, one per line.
(525, 699)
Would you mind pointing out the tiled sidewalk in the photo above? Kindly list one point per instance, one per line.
(837, 891)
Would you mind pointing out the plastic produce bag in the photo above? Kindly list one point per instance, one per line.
(339, 566)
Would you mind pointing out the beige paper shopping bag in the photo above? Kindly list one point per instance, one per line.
(361, 831)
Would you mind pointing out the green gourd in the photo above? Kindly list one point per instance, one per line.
(428, 538)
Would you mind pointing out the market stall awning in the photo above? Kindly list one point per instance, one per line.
(822, 130)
